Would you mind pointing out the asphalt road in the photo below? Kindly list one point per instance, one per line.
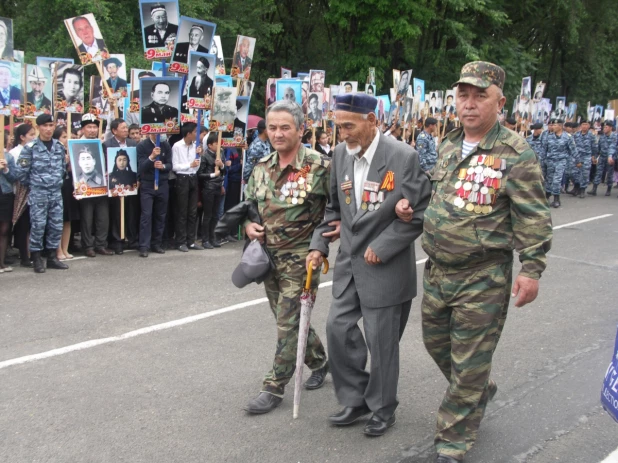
(175, 392)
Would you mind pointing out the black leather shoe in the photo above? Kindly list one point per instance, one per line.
(377, 427)
(207, 245)
(54, 263)
(317, 378)
(446, 459)
(143, 253)
(263, 403)
(158, 250)
(349, 415)
(216, 244)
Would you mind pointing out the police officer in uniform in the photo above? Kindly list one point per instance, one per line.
(535, 140)
(469, 239)
(426, 145)
(586, 144)
(159, 111)
(42, 165)
(558, 149)
(605, 160)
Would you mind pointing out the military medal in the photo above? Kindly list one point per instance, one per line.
(348, 200)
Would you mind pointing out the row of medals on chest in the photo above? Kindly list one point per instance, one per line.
(373, 192)
(298, 185)
(477, 185)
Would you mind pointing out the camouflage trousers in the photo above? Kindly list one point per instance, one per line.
(463, 315)
(605, 172)
(581, 174)
(284, 286)
(45, 221)
(555, 172)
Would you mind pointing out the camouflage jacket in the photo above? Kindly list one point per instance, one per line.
(290, 209)
(586, 146)
(607, 145)
(426, 147)
(41, 169)
(519, 217)
(559, 148)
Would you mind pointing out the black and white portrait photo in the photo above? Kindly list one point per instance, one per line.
(403, 84)
(224, 105)
(237, 137)
(88, 168)
(6, 39)
(87, 38)
(348, 86)
(314, 109)
(193, 35)
(159, 27)
(217, 50)
(116, 75)
(201, 79)
(160, 100)
(69, 91)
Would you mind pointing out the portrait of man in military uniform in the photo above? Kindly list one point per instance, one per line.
(224, 110)
(88, 165)
(195, 36)
(156, 93)
(159, 22)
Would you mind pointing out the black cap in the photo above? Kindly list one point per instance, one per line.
(536, 126)
(253, 267)
(511, 120)
(609, 123)
(261, 125)
(556, 121)
(44, 119)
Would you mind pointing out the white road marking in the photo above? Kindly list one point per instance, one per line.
(181, 321)
(582, 221)
(612, 457)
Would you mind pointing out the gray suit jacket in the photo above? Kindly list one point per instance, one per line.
(394, 280)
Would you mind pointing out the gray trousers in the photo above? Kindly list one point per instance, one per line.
(347, 352)
(94, 212)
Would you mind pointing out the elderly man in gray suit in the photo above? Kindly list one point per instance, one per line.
(375, 272)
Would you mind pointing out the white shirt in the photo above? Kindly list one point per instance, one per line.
(326, 148)
(467, 148)
(121, 145)
(361, 169)
(182, 157)
(93, 49)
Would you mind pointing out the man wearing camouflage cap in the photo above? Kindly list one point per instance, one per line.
(487, 200)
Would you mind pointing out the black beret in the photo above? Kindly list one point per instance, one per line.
(536, 126)
(511, 120)
(44, 119)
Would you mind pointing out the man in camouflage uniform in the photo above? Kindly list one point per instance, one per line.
(470, 242)
(586, 144)
(426, 145)
(291, 188)
(606, 159)
(558, 149)
(42, 165)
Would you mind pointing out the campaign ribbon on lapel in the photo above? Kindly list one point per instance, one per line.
(388, 183)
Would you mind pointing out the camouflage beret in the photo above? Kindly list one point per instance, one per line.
(481, 74)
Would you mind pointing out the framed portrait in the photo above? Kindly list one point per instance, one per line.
(6, 39)
(589, 112)
(515, 108)
(271, 91)
(194, 35)
(217, 50)
(201, 79)
(314, 109)
(370, 89)
(526, 88)
(316, 81)
(238, 136)
(115, 73)
(18, 55)
(334, 91)
(223, 111)
(403, 84)
(38, 91)
(406, 114)
(245, 87)
(449, 103)
(393, 114)
(560, 109)
(87, 39)
(393, 94)
(302, 75)
(11, 93)
(538, 91)
(348, 86)
(243, 57)
(384, 104)
(160, 102)
(371, 76)
(286, 73)
(136, 76)
(159, 27)
(598, 113)
(419, 89)
(609, 115)
(523, 108)
(99, 104)
(50, 63)
(69, 90)
(572, 112)
(290, 89)
(396, 78)
(88, 168)
(435, 104)
(122, 171)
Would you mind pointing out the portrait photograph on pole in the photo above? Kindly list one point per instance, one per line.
(217, 50)
(39, 90)
(88, 168)
(136, 76)
(314, 109)
(243, 57)
(122, 171)
(237, 137)
(538, 91)
(245, 87)
(69, 90)
(6, 39)
(289, 89)
(223, 111)
(404, 83)
(159, 27)
(201, 79)
(87, 38)
(348, 86)
(11, 94)
(193, 36)
(115, 73)
(99, 104)
(160, 103)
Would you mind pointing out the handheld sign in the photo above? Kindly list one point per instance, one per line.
(159, 27)
(193, 36)
(87, 38)
(160, 103)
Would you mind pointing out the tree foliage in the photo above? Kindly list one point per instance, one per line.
(572, 45)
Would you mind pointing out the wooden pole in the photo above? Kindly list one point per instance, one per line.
(313, 138)
(122, 217)
(100, 127)
(69, 123)
(218, 151)
(334, 136)
(110, 95)
(2, 138)
(11, 127)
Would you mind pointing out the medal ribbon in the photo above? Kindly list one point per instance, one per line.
(388, 183)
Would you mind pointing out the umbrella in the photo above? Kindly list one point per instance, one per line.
(307, 299)
(252, 121)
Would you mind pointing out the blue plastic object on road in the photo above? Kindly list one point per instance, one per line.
(609, 393)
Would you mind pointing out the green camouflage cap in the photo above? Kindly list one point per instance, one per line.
(481, 74)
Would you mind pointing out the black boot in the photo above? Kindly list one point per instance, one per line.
(547, 195)
(609, 190)
(37, 262)
(556, 202)
(582, 193)
(53, 262)
(594, 190)
(575, 190)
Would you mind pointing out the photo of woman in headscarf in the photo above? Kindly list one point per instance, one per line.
(122, 174)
